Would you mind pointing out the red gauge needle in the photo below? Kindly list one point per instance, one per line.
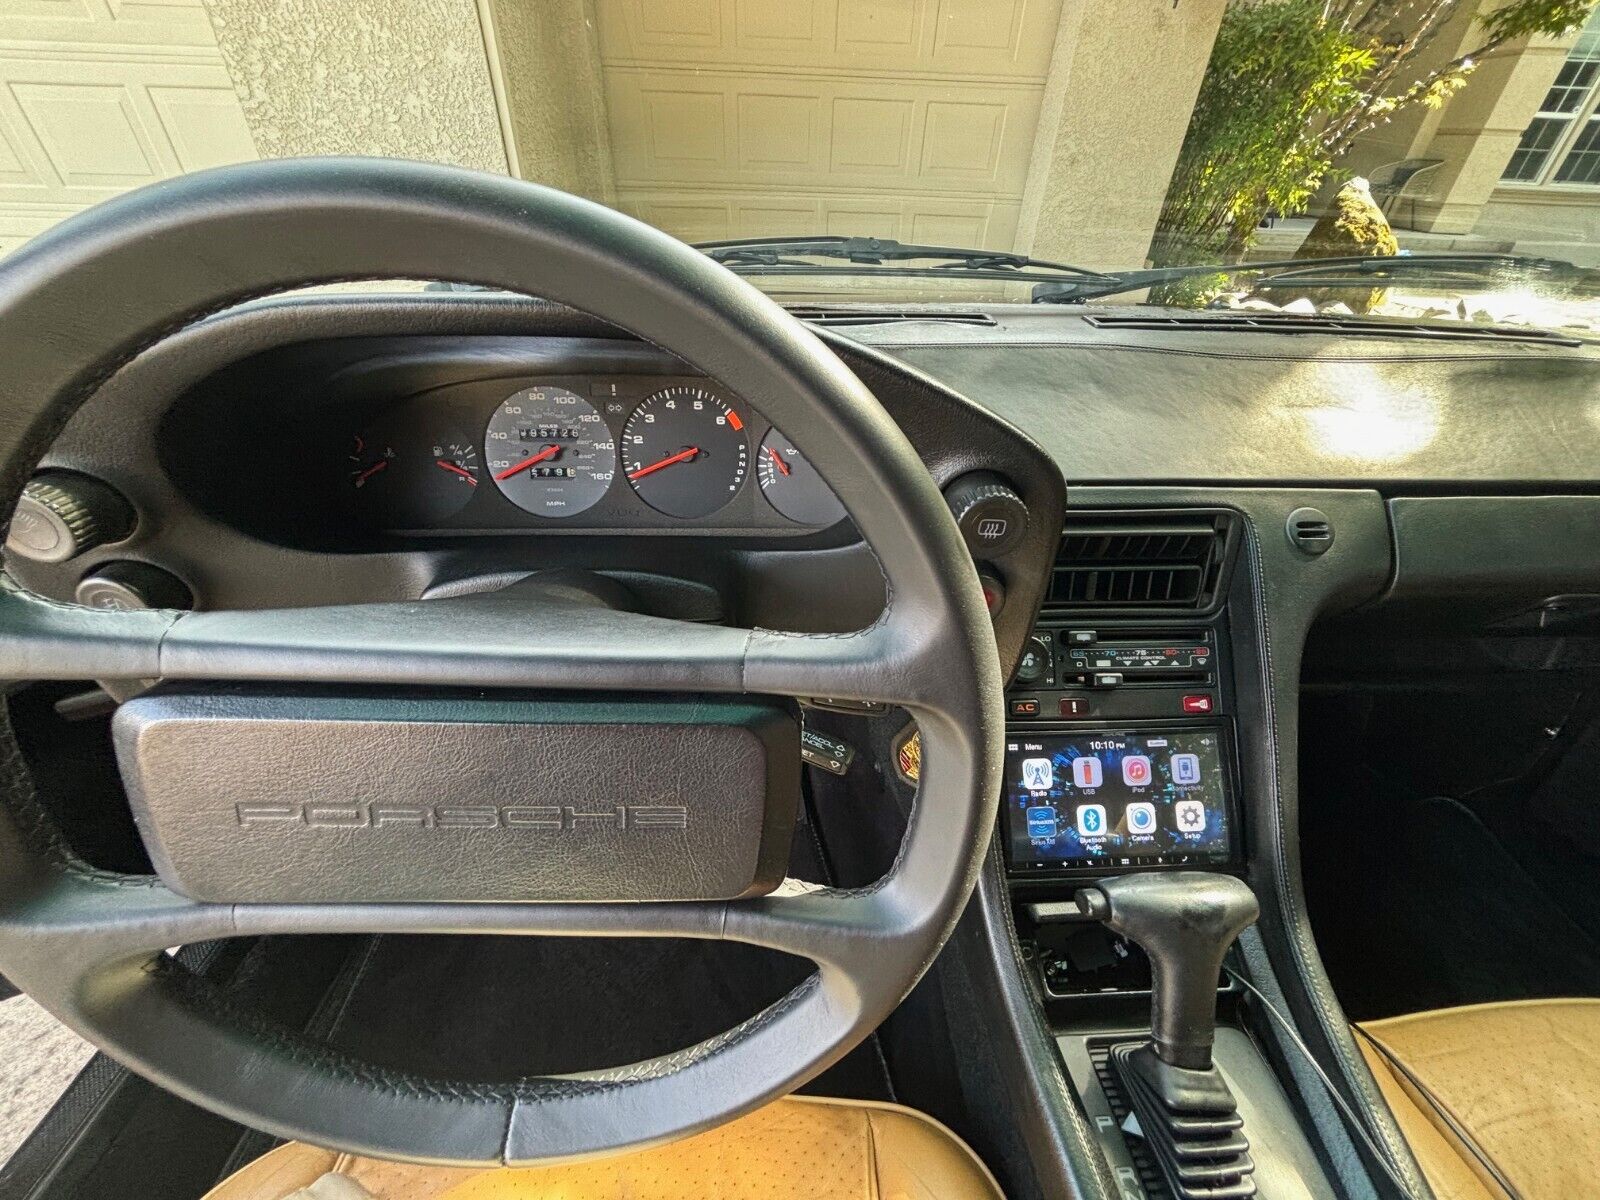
(444, 464)
(547, 453)
(680, 456)
(777, 461)
(371, 471)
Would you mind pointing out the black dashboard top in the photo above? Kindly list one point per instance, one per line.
(1196, 403)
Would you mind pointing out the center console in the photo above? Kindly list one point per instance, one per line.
(1121, 822)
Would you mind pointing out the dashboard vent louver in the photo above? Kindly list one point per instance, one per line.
(818, 315)
(1136, 560)
(1259, 322)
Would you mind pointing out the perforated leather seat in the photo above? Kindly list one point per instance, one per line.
(1498, 1101)
(795, 1149)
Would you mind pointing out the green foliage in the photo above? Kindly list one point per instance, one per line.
(1275, 71)
(1291, 83)
(1554, 18)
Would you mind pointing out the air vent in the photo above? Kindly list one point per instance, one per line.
(858, 316)
(1310, 531)
(1234, 321)
(1140, 560)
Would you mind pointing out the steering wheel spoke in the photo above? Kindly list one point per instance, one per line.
(486, 640)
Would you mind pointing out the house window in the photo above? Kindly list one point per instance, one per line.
(1562, 142)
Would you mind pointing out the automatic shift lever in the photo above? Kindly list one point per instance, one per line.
(1184, 922)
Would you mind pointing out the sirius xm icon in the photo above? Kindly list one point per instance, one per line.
(1037, 774)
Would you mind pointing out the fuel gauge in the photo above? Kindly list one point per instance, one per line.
(411, 476)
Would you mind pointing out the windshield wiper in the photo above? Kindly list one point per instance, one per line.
(1347, 271)
(881, 256)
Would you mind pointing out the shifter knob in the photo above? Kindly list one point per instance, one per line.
(1185, 921)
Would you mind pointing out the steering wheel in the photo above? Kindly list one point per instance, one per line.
(84, 299)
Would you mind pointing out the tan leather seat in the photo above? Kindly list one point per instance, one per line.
(795, 1149)
(1498, 1101)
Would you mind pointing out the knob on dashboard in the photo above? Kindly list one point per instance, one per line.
(1034, 664)
(60, 515)
(991, 516)
(125, 586)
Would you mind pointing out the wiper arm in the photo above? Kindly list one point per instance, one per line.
(1344, 271)
(786, 255)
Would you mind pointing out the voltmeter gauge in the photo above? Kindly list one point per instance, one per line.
(550, 452)
(792, 485)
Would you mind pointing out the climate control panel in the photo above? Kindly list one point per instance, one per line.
(1072, 670)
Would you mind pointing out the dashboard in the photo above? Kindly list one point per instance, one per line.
(358, 449)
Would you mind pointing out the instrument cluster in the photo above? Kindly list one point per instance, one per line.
(584, 451)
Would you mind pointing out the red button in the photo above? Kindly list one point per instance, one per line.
(1197, 704)
(1074, 708)
(1025, 708)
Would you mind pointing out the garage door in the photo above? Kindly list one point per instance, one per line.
(911, 119)
(98, 96)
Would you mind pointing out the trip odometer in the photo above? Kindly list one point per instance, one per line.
(685, 452)
(550, 452)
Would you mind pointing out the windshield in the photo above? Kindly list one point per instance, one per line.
(1096, 138)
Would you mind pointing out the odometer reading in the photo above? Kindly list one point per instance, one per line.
(685, 452)
(550, 452)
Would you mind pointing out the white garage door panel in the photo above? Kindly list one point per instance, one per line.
(99, 96)
(121, 23)
(85, 130)
(1011, 39)
(700, 216)
(696, 127)
(911, 119)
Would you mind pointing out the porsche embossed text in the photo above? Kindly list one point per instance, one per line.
(562, 818)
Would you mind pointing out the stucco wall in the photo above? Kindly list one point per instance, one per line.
(1122, 86)
(403, 78)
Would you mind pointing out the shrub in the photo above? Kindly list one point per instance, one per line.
(1292, 83)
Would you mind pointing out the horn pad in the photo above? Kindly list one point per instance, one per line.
(265, 797)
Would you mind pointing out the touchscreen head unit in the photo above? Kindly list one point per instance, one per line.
(1105, 799)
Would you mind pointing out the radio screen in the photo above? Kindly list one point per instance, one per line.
(1107, 800)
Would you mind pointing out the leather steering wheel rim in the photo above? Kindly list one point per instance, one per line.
(92, 294)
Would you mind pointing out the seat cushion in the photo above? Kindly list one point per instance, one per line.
(795, 1149)
(1496, 1100)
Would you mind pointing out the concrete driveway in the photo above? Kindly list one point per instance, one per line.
(39, 1057)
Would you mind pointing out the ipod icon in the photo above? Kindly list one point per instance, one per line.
(1136, 770)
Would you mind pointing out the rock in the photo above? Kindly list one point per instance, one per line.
(1354, 225)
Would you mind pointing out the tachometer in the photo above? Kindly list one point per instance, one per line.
(550, 452)
(792, 485)
(685, 452)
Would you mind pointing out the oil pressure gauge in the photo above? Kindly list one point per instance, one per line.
(792, 485)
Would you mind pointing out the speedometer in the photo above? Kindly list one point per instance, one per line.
(685, 451)
(550, 452)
